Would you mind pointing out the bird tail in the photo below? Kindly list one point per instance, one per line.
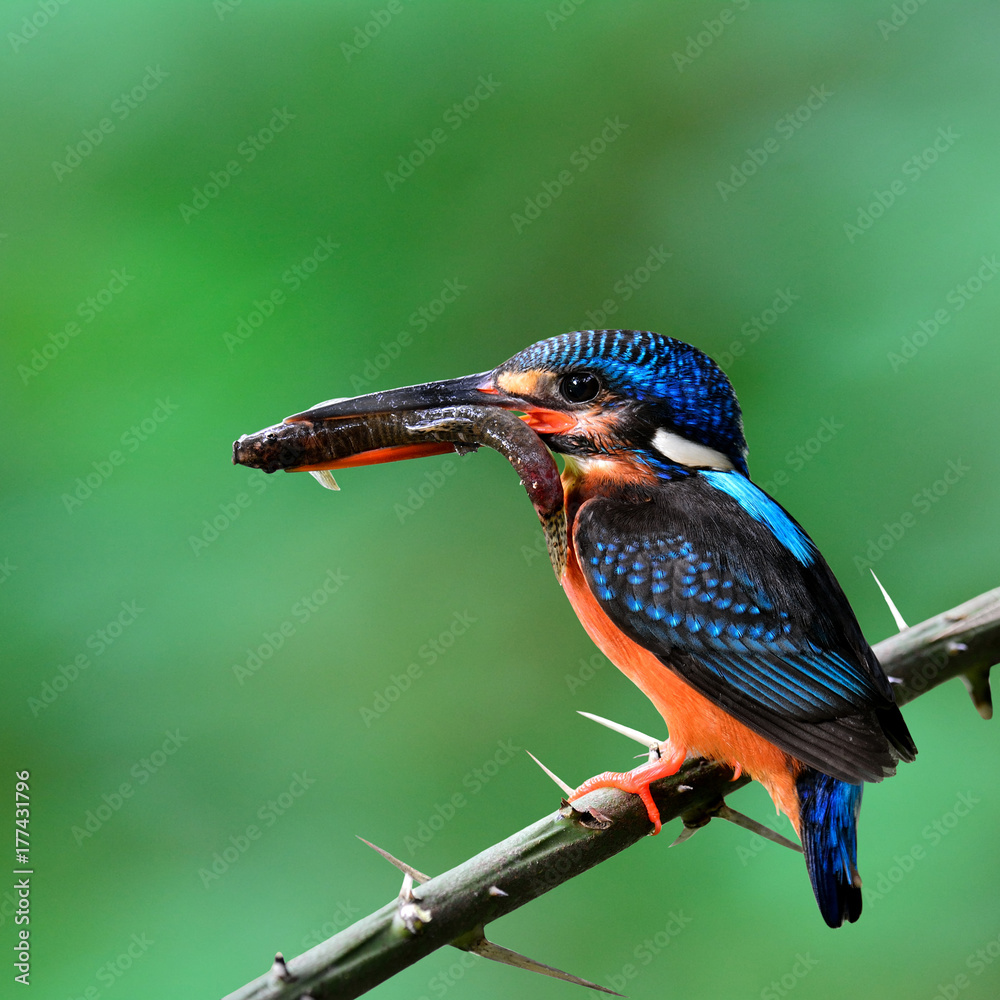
(828, 810)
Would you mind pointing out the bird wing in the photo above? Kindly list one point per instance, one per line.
(725, 589)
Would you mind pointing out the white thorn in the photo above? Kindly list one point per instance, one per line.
(406, 893)
(409, 911)
(896, 616)
(418, 876)
(280, 970)
(555, 777)
(632, 734)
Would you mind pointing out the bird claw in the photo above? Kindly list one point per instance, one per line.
(664, 761)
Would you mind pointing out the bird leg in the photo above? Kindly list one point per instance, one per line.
(665, 760)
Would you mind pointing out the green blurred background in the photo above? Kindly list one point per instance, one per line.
(202, 190)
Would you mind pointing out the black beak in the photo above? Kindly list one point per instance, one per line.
(458, 414)
(477, 390)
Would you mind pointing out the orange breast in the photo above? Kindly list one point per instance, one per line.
(692, 720)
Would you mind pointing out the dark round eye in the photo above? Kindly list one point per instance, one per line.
(579, 387)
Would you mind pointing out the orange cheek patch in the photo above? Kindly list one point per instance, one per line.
(523, 383)
(536, 383)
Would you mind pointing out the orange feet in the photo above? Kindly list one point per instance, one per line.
(639, 779)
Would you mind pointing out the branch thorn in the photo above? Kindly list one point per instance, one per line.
(280, 970)
(686, 834)
(401, 865)
(977, 683)
(476, 943)
(410, 912)
(555, 777)
(632, 734)
(896, 616)
(724, 812)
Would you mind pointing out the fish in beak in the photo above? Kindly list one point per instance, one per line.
(457, 415)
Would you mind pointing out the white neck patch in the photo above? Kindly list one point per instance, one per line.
(681, 451)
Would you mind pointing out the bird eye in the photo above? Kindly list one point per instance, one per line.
(579, 387)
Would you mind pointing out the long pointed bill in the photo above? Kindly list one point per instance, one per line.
(432, 419)
(474, 390)
(471, 389)
(477, 390)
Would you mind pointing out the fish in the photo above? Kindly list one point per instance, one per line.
(317, 446)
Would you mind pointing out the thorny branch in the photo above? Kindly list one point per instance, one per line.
(453, 908)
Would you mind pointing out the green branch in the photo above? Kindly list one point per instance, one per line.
(453, 908)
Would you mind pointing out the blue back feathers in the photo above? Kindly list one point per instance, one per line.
(763, 509)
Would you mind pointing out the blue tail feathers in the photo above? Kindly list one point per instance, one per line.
(829, 809)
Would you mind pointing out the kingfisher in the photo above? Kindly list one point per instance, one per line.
(703, 590)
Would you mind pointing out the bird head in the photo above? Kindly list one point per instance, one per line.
(624, 396)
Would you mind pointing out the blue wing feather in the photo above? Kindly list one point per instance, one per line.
(728, 591)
